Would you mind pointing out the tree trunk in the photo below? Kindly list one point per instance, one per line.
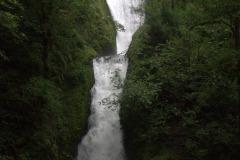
(46, 35)
(237, 43)
(173, 4)
(45, 44)
(236, 33)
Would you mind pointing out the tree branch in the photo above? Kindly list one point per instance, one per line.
(214, 22)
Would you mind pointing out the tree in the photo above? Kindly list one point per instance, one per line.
(222, 12)
(9, 25)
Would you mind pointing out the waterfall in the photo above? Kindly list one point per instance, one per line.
(104, 138)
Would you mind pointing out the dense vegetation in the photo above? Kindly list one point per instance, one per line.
(181, 95)
(46, 48)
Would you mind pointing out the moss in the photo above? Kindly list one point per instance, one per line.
(100, 32)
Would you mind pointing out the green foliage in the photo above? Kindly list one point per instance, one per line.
(98, 26)
(9, 18)
(161, 29)
(46, 56)
(3, 56)
(119, 26)
(180, 99)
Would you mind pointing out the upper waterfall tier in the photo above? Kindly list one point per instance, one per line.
(123, 12)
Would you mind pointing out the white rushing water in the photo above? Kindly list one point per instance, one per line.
(104, 138)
